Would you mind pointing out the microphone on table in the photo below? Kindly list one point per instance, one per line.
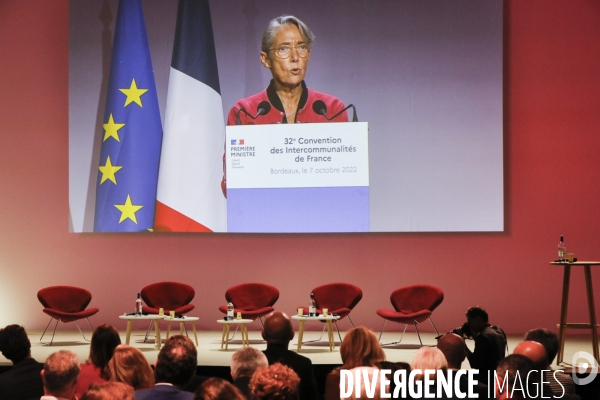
(263, 108)
(320, 108)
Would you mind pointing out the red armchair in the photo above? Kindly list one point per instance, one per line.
(170, 296)
(412, 305)
(253, 300)
(66, 304)
(338, 298)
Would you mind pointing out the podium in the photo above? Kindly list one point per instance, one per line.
(298, 178)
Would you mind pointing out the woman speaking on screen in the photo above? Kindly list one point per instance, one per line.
(286, 46)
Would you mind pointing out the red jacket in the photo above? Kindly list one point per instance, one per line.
(276, 114)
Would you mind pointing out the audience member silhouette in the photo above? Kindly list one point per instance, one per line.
(218, 389)
(490, 341)
(512, 380)
(95, 370)
(244, 362)
(360, 348)
(174, 370)
(558, 381)
(278, 333)
(23, 381)
(454, 349)
(128, 365)
(108, 391)
(275, 382)
(59, 375)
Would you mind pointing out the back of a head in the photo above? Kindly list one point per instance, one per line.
(453, 348)
(14, 343)
(274, 382)
(177, 361)
(428, 358)
(128, 365)
(245, 361)
(104, 341)
(61, 370)
(546, 338)
(108, 391)
(375, 391)
(478, 312)
(278, 328)
(218, 389)
(507, 371)
(534, 351)
(360, 348)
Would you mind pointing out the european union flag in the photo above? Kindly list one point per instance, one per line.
(131, 143)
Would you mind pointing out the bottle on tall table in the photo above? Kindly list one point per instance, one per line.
(562, 250)
(312, 306)
(229, 311)
(138, 305)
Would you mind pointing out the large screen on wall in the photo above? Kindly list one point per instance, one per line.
(178, 123)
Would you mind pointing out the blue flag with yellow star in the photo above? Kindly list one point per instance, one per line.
(131, 143)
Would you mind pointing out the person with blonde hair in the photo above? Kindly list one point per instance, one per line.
(428, 358)
(108, 391)
(360, 348)
(274, 382)
(128, 365)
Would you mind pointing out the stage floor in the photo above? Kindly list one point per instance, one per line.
(211, 354)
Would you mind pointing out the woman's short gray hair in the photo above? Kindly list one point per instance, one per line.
(269, 35)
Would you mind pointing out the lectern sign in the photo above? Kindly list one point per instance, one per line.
(298, 178)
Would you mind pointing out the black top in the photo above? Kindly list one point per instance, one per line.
(301, 365)
(23, 381)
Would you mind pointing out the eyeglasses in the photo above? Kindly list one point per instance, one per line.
(284, 51)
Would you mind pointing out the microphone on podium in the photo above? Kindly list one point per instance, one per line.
(263, 108)
(320, 108)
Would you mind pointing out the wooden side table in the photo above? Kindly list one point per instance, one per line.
(243, 329)
(182, 321)
(152, 317)
(565, 300)
(328, 320)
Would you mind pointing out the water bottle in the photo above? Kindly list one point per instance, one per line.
(562, 249)
(138, 305)
(229, 312)
(312, 306)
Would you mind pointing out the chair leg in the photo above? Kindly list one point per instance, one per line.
(317, 340)
(338, 329)
(53, 332)
(82, 334)
(147, 331)
(46, 329)
(351, 321)
(436, 331)
(384, 322)
(418, 334)
(401, 337)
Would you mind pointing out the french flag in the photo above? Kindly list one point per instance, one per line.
(189, 195)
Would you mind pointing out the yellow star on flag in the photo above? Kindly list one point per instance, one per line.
(128, 210)
(133, 94)
(108, 171)
(111, 129)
